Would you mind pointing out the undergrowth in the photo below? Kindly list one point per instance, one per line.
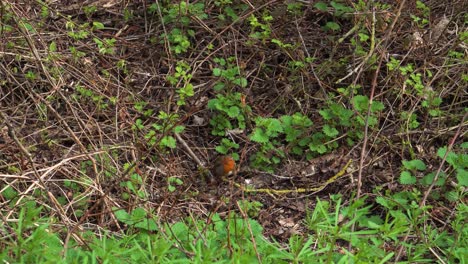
(112, 115)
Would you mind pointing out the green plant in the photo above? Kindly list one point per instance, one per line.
(182, 76)
(138, 218)
(160, 131)
(424, 11)
(229, 73)
(229, 114)
(339, 10)
(430, 100)
(133, 186)
(106, 46)
(458, 163)
(82, 93)
(77, 33)
(173, 182)
(179, 39)
(181, 12)
(260, 28)
(227, 146)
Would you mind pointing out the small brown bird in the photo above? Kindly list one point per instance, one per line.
(223, 166)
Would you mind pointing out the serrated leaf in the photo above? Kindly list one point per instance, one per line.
(360, 102)
(330, 131)
(462, 177)
(377, 106)
(274, 125)
(326, 114)
(451, 158)
(414, 164)
(179, 129)
(452, 196)
(406, 178)
(217, 72)
(233, 111)
(242, 82)
(168, 141)
(221, 149)
(219, 86)
(259, 136)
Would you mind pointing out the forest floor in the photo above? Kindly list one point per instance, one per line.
(111, 105)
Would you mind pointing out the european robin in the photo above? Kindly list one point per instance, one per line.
(223, 166)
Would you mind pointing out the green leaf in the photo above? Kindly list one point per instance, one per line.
(274, 124)
(121, 215)
(332, 25)
(462, 177)
(168, 141)
(429, 178)
(217, 72)
(326, 114)
(361, 103)
(330, 131)
(242, 82)
(414, 165)
(321, 6)
(98, 25)
(406, 178)
(221, 149)
(219, 86)
(179, 129)
(53, 46)
(452, 196)
(452, 158)
(233, 111)
(259, 136)
(377, 106)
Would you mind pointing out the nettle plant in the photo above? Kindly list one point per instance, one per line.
(166, 125)
(414, 172)
(179, 15)
(182, 76)
(229, 74)
(430, 99)
(297, 134)
(230, 113)
(230, 108)
(260, 28)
